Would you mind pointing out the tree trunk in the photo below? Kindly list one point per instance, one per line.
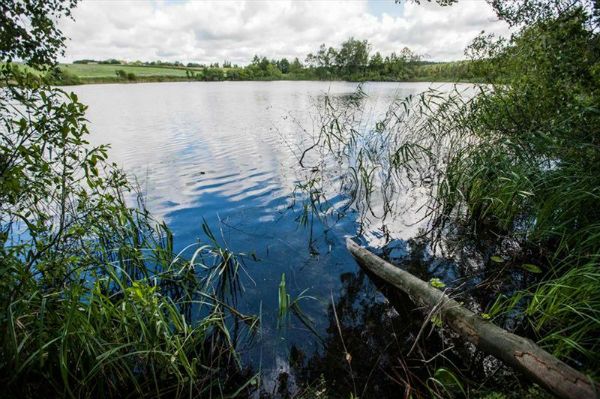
(518, 352)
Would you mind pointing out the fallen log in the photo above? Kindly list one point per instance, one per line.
(518, 352)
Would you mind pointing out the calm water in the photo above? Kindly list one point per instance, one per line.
(227, 153)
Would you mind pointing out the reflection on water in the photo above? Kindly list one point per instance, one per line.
(377, 345)
(227, 153)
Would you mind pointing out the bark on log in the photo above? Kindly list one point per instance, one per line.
(518, 352)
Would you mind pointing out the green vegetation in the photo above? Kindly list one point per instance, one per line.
(87, 71)
(530, 171)
(512, 170)
(458, 71)
(94, 301)
(352, 61)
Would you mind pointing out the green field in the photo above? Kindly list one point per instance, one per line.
(85, 71)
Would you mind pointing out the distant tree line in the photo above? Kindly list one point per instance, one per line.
(352, 60)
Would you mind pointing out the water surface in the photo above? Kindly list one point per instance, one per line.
(227, 153)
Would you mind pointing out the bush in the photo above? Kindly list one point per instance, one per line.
(61, 77)
(110, 61)
(124, 75)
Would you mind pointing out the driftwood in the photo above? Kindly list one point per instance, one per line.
(518, 352)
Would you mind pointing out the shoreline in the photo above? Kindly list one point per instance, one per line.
(170, 79)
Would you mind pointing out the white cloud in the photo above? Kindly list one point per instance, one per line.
(212, 31)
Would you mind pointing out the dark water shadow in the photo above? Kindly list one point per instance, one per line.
(378, 344)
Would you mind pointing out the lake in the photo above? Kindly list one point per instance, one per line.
(227, 153)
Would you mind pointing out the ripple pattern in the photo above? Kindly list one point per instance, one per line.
(220, 152)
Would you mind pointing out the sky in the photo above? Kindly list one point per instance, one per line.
(209, 31)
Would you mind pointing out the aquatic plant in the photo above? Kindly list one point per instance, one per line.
(288, 306)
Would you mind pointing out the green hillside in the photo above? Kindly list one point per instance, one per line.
(85, 71)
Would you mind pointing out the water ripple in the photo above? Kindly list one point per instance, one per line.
(219, 152)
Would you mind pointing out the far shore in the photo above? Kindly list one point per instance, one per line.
(169, 79)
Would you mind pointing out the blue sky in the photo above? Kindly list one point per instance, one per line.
(218, 30)
(390, 7)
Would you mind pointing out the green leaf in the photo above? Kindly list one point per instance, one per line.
(437, 283)
(497, 259)
(436, 321)
(531, 268)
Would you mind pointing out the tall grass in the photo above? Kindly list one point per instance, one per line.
(140, 324)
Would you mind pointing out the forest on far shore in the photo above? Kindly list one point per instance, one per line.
(352, 61)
